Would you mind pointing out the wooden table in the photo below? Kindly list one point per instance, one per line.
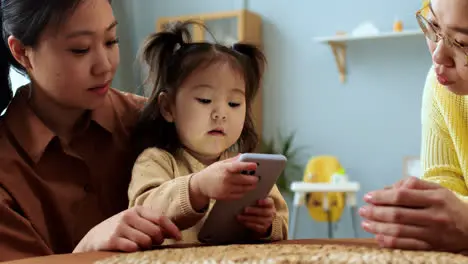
(89, 258)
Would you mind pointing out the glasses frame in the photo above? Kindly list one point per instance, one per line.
(437, 34)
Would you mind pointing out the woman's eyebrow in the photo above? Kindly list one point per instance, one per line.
(89, 32)
(461, 30)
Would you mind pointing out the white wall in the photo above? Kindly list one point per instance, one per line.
(17, 80)
(370, 123)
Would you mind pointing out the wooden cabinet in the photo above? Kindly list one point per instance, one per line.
(227, 28)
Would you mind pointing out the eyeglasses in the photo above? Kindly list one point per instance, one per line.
(434, 34)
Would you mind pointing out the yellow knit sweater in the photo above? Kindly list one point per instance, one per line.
(444, 137)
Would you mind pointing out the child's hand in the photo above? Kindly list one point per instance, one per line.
(223, 180)
(134, 229)
(259, 218)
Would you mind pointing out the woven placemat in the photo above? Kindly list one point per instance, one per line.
(284, 253)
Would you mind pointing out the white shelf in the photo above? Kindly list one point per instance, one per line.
(338, 44)
(385, 35)
(306, 187)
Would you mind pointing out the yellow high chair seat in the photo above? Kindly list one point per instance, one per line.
(320, 170)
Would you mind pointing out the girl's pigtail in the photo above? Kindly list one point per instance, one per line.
(254, 64)
(257, 62)
(159, 51)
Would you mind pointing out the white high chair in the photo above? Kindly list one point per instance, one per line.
(325, 190)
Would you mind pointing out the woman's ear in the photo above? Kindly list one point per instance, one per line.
(165, 107)
(19, 52)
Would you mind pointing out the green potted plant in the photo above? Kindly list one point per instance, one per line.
(284, 145)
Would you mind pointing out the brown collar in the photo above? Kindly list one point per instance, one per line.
(33, 135)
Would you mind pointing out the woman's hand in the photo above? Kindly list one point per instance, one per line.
(416, 214)
(134, 229)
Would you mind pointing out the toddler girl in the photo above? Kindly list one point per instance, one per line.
(198, 116)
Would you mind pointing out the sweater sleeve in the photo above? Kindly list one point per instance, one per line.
(155, 185)
(439, 159)
(279, 228)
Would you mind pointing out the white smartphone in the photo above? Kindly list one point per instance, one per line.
(221, 225)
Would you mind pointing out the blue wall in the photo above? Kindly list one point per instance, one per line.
(371, 122)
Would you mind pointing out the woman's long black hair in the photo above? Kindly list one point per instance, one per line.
(25, 20)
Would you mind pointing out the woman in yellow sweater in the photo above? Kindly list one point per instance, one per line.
(432, 213)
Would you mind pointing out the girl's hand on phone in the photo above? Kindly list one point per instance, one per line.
(223, 180)
(259, 218)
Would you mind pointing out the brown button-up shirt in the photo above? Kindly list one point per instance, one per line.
(51, 195)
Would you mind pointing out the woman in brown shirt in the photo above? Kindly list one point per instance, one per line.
(64, 159)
